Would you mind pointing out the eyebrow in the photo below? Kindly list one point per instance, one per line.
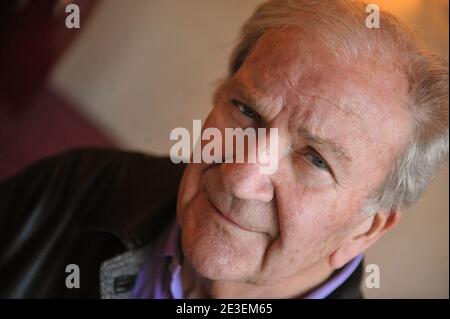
(315, 140)
(244, 91)
(325, 143)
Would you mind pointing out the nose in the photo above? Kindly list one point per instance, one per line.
(245, 181)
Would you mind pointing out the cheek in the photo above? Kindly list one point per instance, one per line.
(189, 187)
(190, 183)
(303, 208)
(311, 223)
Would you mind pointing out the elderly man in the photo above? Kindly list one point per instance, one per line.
(362, 119)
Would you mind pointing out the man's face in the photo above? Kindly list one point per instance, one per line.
(339, 126)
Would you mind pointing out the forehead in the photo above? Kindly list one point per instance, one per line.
(360, 104)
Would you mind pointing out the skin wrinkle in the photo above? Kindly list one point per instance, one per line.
(337, 151)
(299, 94)
(329, 101)
(231, 203)
(314, 219)
(263, 105)
(276, 239)
(351, 114)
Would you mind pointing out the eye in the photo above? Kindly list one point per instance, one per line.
(245, 109)
(317, 161)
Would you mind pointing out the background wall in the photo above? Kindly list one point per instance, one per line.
(141, 68)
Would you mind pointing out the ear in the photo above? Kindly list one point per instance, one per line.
(364, 235)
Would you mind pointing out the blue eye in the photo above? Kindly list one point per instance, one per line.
(244, 109)
(317, 161)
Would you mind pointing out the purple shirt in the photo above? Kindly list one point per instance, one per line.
(160, 276)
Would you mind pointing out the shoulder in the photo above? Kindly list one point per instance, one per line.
(81, 206)
(104, 188)
(84, 165)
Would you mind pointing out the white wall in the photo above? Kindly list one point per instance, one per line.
(141, 68)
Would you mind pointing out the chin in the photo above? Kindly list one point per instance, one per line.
(219, 253)
(216, 268)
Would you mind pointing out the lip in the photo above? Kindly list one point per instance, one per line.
(226, 218)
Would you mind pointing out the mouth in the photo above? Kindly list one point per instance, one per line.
(226, 218)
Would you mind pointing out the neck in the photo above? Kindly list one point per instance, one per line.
(196, 286)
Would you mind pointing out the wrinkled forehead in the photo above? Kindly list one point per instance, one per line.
(342, 100)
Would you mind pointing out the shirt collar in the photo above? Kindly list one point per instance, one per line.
(335, 281)
(169, 245)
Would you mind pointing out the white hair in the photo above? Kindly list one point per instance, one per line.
(340, 26)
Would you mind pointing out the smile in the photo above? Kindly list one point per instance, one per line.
(226, 218)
